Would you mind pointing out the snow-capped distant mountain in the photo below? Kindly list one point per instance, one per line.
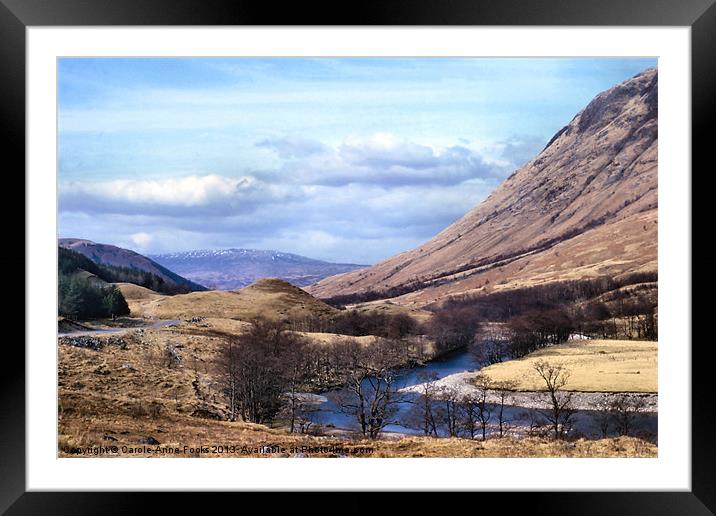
(231, 269)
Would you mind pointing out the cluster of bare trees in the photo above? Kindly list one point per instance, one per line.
(547, 314)
(439, 410)
(371, 396)
(359, 323)
(624, 318)
(260, 366)
(503, 305)
(521, 335)
(453, 327)
(268, 371)
(491, 344)
(534, 330)
(460, 326)
(620, 413)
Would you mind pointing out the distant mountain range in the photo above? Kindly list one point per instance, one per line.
(105, 254)
(586, 206)
(232, 269)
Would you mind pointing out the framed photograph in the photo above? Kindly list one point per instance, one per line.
(419, 248)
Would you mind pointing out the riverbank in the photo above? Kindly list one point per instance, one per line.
(522, 413)
(463, 384)
(112, 435)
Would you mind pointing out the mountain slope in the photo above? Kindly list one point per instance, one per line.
(591, 192)
(231, 269)
(104, 254)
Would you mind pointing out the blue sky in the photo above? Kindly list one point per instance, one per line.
(343, 159)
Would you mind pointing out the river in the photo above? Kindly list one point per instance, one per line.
(455, 370)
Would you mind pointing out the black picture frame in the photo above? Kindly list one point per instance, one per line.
(17, 15)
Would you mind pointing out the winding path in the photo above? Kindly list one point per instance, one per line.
(120, 331)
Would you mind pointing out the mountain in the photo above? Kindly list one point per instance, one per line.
(585, 206)
(231, 269)
(110, 255)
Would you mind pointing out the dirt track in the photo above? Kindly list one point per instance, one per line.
(120, 331)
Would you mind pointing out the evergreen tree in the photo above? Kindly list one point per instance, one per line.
(114, 302)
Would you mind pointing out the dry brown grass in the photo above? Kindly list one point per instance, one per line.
(270, 298)
(137, 297)
(386, 307)
(609, 250)
(595, 366)
(130, 291)
(120, 397)
(335, 338)
(122, 381)
(175, 432)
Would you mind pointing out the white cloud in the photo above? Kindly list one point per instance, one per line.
(361, 200)
(203, 195)
(185, 191)
(256, 152)
(142, 240)
(383, 149)
(387, 160)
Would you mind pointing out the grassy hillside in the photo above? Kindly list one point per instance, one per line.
(270, 298)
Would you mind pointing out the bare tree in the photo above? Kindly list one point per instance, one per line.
(370, 395)
(479, 400)
(449, 410)
(298, 411)
(230, 378)
(604, 417)
(502, 391)
(470, 416)
(476, 413)
(625, 409)
(305, 417)
(296, 362)
(534, 420)
(423, 412)
(560, 414)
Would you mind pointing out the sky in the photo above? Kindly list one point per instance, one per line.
(342, 159)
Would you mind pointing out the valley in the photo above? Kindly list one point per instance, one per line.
(165, 380)
(527, 328)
